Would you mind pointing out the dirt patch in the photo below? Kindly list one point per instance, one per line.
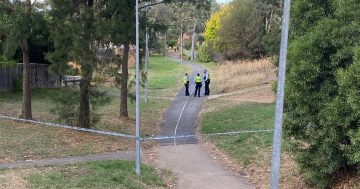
(262, 95)
(13, 179)
(20, 141)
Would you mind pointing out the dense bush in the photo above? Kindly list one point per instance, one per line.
(67, 104)
(323, 88)
(187, 45)
(204, 54)
(245, 29)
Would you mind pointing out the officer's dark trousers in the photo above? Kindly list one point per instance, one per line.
(187, 89)
(207, 89)
(197, 89)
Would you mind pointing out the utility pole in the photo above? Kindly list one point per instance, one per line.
(181, 44)
(276, 149)
(165, 53)
(146, 61)
(138, 158)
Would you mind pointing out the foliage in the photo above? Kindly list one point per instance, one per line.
(240, 34)
(172, 43)
(322, 89)
(244, 29)
(67, 106)
(187, 45)
(213, 26)
(204, 54)
(4, 61)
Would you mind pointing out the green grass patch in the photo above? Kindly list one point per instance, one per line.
(249, 116)
(21, 141)
(98, 174)
(165, 73)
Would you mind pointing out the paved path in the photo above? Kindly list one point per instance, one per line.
(180, 118)
(76, 159)
(191, 162)
(195, 169)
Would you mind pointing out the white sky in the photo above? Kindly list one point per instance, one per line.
(223, 1)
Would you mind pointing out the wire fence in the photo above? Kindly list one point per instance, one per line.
(110, 133)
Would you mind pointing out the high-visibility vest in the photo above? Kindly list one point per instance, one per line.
(197, 79)
(186, 79)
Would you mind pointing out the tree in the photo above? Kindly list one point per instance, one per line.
(270, 11)
(322, 88)
(213, 27)
(18, 22)
(75, 30)
(240, 33)
(122, 23)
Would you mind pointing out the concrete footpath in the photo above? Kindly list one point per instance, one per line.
(195, 169)
(191, 162)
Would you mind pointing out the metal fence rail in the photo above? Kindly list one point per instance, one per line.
(110, 133)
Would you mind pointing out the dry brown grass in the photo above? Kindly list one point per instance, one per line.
(231, 76)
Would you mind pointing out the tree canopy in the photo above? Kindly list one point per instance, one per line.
(322, 88)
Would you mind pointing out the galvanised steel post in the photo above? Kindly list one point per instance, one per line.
(137, 166)
(276, 149)
(146, 61)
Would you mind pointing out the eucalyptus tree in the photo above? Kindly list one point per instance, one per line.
(19, 22)
(75, 27)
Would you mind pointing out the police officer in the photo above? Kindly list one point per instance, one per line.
(186, 83)
(198, 85)
(207, 82)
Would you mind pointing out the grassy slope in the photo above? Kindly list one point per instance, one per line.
(248, 116)
(252, 151)
(20, 141)
(99, 174)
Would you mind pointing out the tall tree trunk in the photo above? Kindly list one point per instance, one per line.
(181, 45)
(84, 115)
(165, 51)
(26, 104)
(124, 81)
(193, 39)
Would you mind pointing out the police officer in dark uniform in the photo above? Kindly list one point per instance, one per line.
(207, 82)
(198, 85)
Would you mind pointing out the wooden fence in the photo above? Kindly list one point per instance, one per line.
(40, 77)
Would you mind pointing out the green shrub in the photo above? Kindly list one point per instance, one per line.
(204, 54)
(4, 61)
(323, 89)
(67, 104)
(187, 45)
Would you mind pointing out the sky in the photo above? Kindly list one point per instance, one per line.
(223, 1)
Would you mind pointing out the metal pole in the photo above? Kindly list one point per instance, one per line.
(276, 149)
(181, 45)
(165, 45)
(146, 61)
(137, 168)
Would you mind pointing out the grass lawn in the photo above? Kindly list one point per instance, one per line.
(97, 174)
(165, 76)
(250, 152)
(247, 116)
(21, 141)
